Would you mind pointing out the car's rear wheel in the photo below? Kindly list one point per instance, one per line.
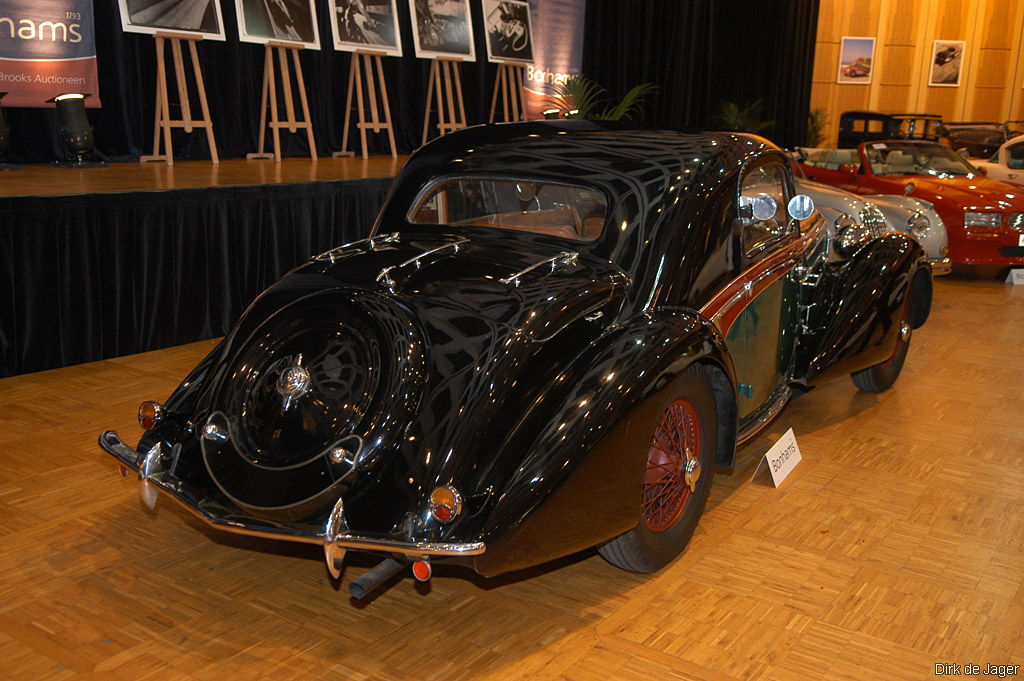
(677, 477)
(881, 376)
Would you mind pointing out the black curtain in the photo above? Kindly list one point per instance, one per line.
(84, 278)
(233, 73)
(703, 52)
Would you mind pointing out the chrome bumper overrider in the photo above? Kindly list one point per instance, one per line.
(334, 536)
(941, 266)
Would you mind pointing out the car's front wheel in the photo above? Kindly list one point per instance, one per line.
(677, 477)
(881, 376)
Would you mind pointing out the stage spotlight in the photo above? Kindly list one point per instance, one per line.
(5, 137)
(75, 131)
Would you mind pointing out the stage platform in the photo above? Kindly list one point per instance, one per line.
(48, 180)
(104, 262)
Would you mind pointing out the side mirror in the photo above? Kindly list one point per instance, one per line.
(964, 153)
(849, 169)
(800, 207)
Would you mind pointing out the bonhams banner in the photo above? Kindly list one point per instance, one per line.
(47, 48)
(558, 48)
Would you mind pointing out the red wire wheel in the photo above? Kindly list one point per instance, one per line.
(665, 489)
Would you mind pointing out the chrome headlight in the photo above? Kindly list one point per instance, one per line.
(980, 219)
(850, 235)
(1016, 219)
(918, 225)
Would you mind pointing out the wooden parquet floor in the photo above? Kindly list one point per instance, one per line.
(896, 545)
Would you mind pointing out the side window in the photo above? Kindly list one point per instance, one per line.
(1015, 157)
(764, 222)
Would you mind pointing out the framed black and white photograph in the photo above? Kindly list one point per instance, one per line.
(509, 32)
(441, 28)
(947, 63)
(286, 21)
(191, 17)
(856, 60)
(366, 25)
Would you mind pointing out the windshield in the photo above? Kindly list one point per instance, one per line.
(908, 158)
(542, 207)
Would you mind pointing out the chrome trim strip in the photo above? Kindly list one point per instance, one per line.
(767, 414)
(563, 258)
(373, 242)
(384, 277)
(223, 520)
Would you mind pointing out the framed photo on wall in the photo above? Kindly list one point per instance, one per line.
(442, 28)
(366, 25)
(191, 17)
(286, 21)
(856, 60)
(509, 31)
(947, 63)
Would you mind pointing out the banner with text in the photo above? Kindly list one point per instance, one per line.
(558, 49)
(47, 48)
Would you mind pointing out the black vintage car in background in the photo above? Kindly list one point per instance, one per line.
(857, 127)
(555, 333)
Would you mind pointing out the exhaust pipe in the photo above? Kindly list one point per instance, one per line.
(375, 577)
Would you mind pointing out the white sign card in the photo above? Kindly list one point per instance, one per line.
(781, 459)
(1016, 276)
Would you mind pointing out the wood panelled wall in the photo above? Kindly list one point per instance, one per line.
(904, 30)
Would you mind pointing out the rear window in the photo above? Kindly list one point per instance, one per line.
(556, 209)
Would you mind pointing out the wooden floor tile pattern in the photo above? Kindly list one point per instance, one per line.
(897, 544)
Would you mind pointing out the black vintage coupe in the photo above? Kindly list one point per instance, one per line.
(554, 334)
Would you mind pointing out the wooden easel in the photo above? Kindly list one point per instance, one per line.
(163, 120)
(270, 88)
(513, 97)
(363, 68)
(445, 81)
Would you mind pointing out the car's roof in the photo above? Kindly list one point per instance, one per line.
(599, 153)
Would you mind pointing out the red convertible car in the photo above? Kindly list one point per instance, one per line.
(984, 217)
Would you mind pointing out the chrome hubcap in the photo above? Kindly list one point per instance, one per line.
(293, 383)
(692, 469)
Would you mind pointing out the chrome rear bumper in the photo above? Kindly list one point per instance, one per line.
(334, 535)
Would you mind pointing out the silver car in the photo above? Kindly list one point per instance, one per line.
(914, 217)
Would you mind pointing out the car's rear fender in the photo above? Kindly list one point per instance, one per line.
(580, 483)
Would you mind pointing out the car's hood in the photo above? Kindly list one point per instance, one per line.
(953, 195)
(825, 196)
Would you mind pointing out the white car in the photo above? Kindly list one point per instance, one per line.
(914, 217)
(1007, 164)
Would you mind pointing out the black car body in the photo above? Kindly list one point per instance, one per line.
(554, 334)
(981, 140)
(856, 127)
